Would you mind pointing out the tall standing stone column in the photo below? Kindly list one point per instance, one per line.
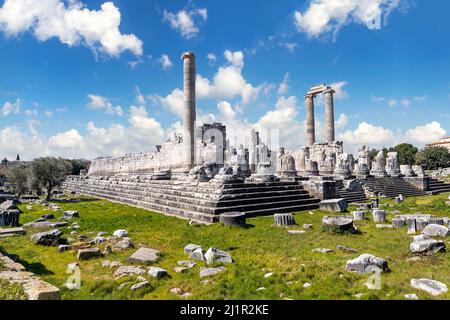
(310, 126)
(329, 115)
(189, 113)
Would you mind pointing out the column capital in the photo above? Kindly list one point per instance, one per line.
(329, 90)
(187, 54)
(310, 95)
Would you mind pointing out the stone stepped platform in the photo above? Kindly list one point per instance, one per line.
(352, 196)
(437, 186)
(393, 186)
(199, 201)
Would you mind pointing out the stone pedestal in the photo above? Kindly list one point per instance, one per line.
(311, 168)
(263, 174)
(322, 188)
(361, 171)
(418, 170)
(234, 219)
(406, 170)
(358, 215)
(398, 223)
(379, 215)
(283, 219)
(411, 224)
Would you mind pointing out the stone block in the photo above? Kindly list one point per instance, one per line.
(334, 205)
(144, 256)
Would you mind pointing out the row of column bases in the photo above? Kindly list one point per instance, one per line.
(329, 116)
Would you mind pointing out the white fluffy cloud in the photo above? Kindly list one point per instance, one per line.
(66, 140)
(142, 133)
(323, 16)
(377, 137)
(428, 133)
(173, 101)
(184, 21)
(71, 23)
(97, 102)
(228, 82)
(10, 108)
(226, 109)
(165, 62)
(338, 87)
(342, 121)
(367, 133)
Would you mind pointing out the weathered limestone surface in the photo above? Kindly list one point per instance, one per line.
(8, 232)
(198, 201)
(310, 125)
(9, 218)
(47, 238)
(34, 288)
(144, 255)
(283, 219)
(334, 205)
(365, 263)
(216, 255)
(432, 287)
(86, 254)
(379, 215)
(425, 245)
(208, 272)
(436, 230)
(338, 224)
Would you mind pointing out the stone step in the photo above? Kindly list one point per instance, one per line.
(202, 205)
(213, 196)
(200, 187)
(9, 232)
(201, 216)
(195, 206)
(208, 203)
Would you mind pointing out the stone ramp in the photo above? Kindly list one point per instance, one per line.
(393, 186)
(196, 200)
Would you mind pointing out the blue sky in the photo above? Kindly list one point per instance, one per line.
(92, 78)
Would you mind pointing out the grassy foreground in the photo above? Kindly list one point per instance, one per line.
(257, 250)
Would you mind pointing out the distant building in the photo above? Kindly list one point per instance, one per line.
(444, 142)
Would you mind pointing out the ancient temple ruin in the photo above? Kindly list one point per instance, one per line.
(198, 174)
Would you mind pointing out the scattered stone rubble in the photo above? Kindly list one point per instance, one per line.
(34, 288)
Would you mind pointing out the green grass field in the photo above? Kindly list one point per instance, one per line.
(258, 249)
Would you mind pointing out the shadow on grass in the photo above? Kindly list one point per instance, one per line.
(78, 200)
(36, 267)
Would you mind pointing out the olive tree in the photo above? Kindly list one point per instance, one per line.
(432, 158)
(48, 173)
(19, 176)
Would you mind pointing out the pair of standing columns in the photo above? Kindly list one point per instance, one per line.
(329, 117)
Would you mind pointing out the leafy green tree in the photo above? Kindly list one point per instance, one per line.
(406, 153)
(49, 173)
(78, 165)
(19, 175)
(432, 158)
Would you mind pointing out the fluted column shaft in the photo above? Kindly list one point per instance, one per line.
(189, 112)
(329, 116)
(310, 126)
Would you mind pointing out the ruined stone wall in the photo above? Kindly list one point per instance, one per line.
(168, 157)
